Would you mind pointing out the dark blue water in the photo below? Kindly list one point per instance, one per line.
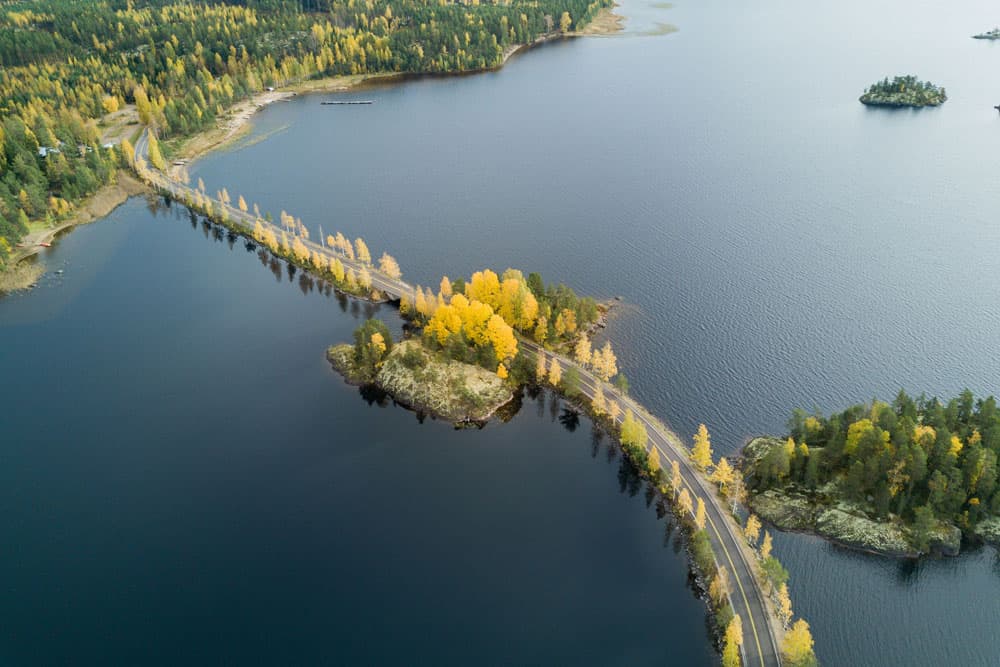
(184, 480)
(777, 244)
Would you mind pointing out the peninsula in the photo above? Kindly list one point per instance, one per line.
(904, 91)
(906, 479)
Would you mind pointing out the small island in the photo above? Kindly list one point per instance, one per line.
(911, 478)
(904, 91)
(992, 34)
(468, 360)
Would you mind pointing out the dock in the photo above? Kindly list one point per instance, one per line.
(349, 102)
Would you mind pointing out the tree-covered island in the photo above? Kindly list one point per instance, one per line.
(904, 91)
(991, 34)
(469, 356)
(904, 479)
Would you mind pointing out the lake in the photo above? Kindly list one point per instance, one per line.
(186, 480)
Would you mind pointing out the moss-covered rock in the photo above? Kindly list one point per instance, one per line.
(341, 357)
(988, 530)
(786, 511)
(429, 383)
(858, 531)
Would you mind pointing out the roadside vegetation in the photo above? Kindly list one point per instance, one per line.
(64, 65)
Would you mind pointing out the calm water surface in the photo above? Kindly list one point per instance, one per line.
(187, 479)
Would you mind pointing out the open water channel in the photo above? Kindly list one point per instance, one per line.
(183, 479)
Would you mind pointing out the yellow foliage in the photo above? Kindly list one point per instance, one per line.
(540, 370)
(855, 432)
(699, 516)
(445, 288)
(765, 548)
(654, 459)
(798, 645)
(502, 337)
(502, 372)
(784, 605)
(684, 504)
(956, 446)
(582, 352)
(752, 529)
(701, 452)
(555, 373)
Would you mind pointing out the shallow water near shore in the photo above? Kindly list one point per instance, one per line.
(182, 439)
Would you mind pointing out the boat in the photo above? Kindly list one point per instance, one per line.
(45, 244)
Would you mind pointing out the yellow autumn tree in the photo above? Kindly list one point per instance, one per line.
(675, 478)
(701, 452)
(388, 265)
(502, 372)
(718, 590)
(798, 646)
(699, 515)
(582, 352)
(654, 460)
(752, 529)
(765, 548)
(784, 605)
(605, 363)
(540, 370)
(502, 337)
(732, 643)
(555, 373)
(445, 288)
(363, 255)
(684, 504)
(541, 330)
(242, 203)
(599, 403)
(613, 411)
(723, 475)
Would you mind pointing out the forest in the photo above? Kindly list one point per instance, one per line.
(904, 91)
(920, 459)
(64, 65)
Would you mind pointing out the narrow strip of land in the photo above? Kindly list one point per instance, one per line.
(760, 649)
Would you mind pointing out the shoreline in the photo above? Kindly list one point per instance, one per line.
(92, 209)
(237, 121)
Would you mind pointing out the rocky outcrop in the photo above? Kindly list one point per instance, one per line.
(824, 513)
(430, 383)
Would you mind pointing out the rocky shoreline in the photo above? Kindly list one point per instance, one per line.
(851, 525)
(429, 383)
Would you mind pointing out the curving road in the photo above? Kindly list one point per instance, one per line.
(759, 645)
